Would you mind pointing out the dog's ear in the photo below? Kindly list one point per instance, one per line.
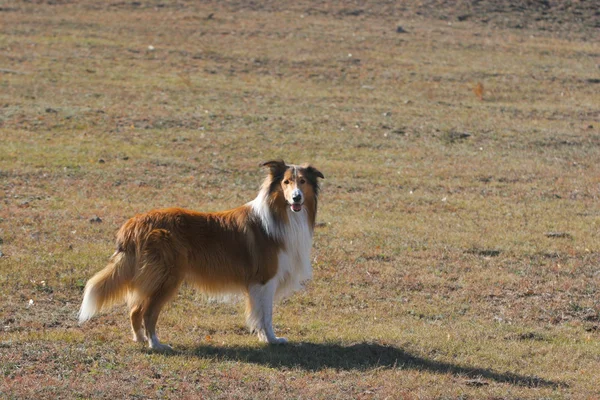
(314, 172)
(276, 167)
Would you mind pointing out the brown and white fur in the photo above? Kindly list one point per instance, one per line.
(261, 249)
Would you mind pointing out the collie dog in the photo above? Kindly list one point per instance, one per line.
(261, 249)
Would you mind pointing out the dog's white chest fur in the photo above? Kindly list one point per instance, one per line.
(294, 267)
(294, 259)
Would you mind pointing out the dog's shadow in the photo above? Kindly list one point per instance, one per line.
(360, 357)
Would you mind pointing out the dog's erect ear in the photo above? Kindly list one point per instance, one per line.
(277, 167)
(314, 172)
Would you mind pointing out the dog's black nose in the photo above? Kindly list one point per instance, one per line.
(297, 198)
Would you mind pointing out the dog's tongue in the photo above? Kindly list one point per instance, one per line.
(296, 207)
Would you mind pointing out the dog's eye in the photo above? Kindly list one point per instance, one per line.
(286, 182)
(302, 181)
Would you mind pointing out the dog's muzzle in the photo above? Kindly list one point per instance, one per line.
(297, 198)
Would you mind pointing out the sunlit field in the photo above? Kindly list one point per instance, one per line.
(457, 247)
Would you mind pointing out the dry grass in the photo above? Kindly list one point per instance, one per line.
(435, 276)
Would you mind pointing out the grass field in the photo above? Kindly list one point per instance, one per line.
(457, 252)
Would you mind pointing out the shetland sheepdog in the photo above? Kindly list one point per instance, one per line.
(260, 249)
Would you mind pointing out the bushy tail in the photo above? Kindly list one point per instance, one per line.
(108, 286)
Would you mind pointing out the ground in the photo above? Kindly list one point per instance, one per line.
(457, 248)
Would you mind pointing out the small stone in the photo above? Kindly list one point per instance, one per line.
(476, 382)
(400, 29)
(96, 220)
(101, 161)
(558, 235)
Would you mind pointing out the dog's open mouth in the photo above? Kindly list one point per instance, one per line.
(296, 207)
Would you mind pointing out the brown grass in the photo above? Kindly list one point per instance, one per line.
(434, 273)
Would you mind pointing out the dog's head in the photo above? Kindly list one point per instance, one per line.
(296, 184)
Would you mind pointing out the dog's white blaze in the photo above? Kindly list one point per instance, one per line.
(297, 192)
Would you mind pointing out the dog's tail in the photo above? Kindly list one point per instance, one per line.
(109, 286)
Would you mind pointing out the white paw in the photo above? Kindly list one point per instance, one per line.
(271, 339)
(139, 337)
(278, 340)
(161, 347)
(262, 337)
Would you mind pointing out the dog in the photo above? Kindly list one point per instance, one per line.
(261, 249)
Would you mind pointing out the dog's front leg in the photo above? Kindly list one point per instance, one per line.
(259, 312)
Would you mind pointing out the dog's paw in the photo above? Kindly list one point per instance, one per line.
(139, 337)
(278, 340)
(161, 348)
(263, 337)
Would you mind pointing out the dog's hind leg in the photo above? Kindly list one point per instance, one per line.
(156, 282)
(135, 316)
(259, 312)
(154, 305)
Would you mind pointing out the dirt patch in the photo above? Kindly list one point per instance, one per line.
(564, 18)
